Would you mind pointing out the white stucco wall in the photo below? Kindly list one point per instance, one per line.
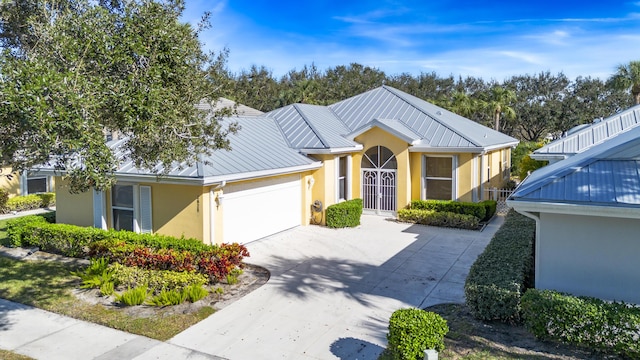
(589, 255)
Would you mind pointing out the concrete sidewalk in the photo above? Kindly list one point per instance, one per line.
(44, 335)
(25, 213)
(332, 292)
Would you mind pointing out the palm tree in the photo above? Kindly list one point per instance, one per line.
(499, 104)
(628, 77)
(462, 104)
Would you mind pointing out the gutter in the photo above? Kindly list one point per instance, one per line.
(326, 151)
(219, 180)
(548, 157)
(631, 212)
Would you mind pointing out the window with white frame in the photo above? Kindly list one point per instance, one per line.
(439, 179)
(342, 180)
(122, 207)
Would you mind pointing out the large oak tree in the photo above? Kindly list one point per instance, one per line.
(72, 69)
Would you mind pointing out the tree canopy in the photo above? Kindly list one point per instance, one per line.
(627, 77)
(72, 70)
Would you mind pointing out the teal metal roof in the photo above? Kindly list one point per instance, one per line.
(606, 174)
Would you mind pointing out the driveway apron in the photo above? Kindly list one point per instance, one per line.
(331, 292)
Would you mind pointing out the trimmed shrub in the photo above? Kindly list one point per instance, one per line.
(499, 276)
(491, 206)
(63, 239)
(216, 263)
(154, 252)
(17, 227)
(60, 238)
(434, 218)
(466, 208)
(4, 197)
(412, 331)
(155, 280)
(31, 201)
(344, 214)
(599, 325)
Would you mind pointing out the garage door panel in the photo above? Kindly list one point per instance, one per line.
(261, 210)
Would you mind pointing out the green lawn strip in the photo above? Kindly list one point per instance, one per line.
(9, 355)
(47, 285)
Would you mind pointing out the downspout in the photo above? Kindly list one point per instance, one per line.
(481, 185)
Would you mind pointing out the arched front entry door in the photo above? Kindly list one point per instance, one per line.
(379, 167)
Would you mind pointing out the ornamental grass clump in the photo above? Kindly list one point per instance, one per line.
(133, 297)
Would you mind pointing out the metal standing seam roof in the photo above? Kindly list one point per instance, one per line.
(311, 127)
(437, 127)
(241, 109)
(585, 137)
(252, 150)
(606, 174)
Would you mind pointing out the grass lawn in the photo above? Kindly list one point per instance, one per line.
(47, 285)
(8, 355)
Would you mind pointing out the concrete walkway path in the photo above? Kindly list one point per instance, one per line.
(331, 292)
(44, 335)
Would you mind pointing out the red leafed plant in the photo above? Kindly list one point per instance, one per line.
(216, 262)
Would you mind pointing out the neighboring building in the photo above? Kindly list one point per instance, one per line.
(587, 213)
(585, 136)
(384, 146)
(24, 183)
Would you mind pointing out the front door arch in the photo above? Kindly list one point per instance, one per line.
(379, 168)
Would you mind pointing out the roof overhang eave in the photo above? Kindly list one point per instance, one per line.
(628, 212)
(431, 149)
(469, 149)
(548, 157)
(205, 181)
(341, 150)
(410, 140)
(501, 146)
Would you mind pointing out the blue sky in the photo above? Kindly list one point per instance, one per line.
(488, 39)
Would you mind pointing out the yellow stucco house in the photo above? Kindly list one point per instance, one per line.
(24, 183)
(384, 146)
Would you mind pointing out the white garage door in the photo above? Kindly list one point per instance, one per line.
(262, 208)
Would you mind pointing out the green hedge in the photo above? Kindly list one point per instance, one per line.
(499, 276)
(598, 325)
(71, 240)
(412, 331)
(465, 208)
(4, 197)
(434, 218)
(30, 202)
(344, 214)
(491, 206)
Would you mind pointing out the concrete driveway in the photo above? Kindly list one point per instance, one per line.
(331, 292)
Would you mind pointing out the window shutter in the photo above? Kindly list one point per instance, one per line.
(99, 220)
(145, 209)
